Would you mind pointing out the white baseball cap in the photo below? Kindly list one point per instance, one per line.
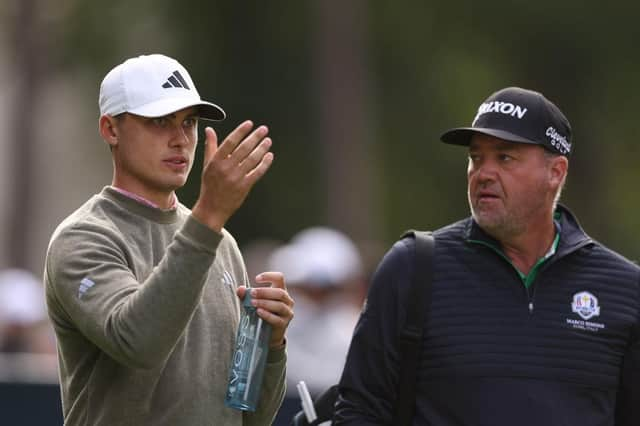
(21, 297)
(318, 257)
(152, 86)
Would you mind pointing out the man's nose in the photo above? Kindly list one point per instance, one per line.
(179, 135)
(486, 171)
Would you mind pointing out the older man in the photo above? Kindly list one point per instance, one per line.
(529, 321)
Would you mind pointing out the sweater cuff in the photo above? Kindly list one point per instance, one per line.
(201, 235)
(277, 355)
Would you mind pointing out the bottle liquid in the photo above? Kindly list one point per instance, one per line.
(248, 360)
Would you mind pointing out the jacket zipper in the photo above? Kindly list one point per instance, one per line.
(530, 297)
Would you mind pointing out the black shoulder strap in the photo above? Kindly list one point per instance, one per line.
(411, 336)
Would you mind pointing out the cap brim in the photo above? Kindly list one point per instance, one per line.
(206, 110)
(209, 111)
(462, 135)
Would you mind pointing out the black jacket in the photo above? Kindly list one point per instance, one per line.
(496, 353)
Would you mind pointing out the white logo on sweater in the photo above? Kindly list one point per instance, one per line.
(227, 279)
(85, 285)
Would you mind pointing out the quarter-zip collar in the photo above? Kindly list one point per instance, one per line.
(572, 236)
(569, 237)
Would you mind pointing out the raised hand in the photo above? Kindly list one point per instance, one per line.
(230, 171)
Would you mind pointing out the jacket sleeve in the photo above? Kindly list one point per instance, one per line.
(92, 287)
(628, 398)
(367, 389)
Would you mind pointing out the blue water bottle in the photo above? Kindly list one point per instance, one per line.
(248, 360)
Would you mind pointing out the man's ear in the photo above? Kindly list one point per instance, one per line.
(107, 126)
(558, 170)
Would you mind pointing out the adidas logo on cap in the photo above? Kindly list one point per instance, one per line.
(175, 80)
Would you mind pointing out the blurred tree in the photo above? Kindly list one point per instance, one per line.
(342, 108)
(356, 95)
(29, 50)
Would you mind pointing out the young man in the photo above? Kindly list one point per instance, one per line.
(529, 321)
(144, 293)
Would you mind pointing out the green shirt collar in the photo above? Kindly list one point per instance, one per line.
(528, 279)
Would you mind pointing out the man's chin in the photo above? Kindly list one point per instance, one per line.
(176, 183)
(487, 220)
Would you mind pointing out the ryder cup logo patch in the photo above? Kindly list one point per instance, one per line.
(586, 306)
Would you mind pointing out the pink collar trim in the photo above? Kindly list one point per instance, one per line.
(144, 201)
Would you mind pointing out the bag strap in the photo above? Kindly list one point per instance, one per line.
(411, 335)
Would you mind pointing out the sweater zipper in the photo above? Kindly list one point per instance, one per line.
(530, 286)
(540, 266)
(530, 297)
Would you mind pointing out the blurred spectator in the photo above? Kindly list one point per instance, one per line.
(256, 255)
(324, 274)
(23, 321)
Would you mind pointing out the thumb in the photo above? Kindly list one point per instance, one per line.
(241, 291)
(210, 144)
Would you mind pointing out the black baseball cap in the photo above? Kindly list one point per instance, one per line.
(518, 115)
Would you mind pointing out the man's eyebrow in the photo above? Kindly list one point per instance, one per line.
(506, 146)
(172, 115)
(499, 146)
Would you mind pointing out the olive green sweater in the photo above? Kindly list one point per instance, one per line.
(145, 312)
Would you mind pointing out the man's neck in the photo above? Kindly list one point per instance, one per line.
(527, 248)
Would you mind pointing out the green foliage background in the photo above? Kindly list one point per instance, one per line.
(428, 66)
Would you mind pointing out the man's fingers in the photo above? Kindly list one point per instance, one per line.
(255, 157)
(210, 144)
(275, 307)
(254, 175)
(234, 138)
(276, 279)
(274, 300)
(276, 319)
(275, 290)
(273, 303)
(245, 153)
(249, 144)
(241, 291)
